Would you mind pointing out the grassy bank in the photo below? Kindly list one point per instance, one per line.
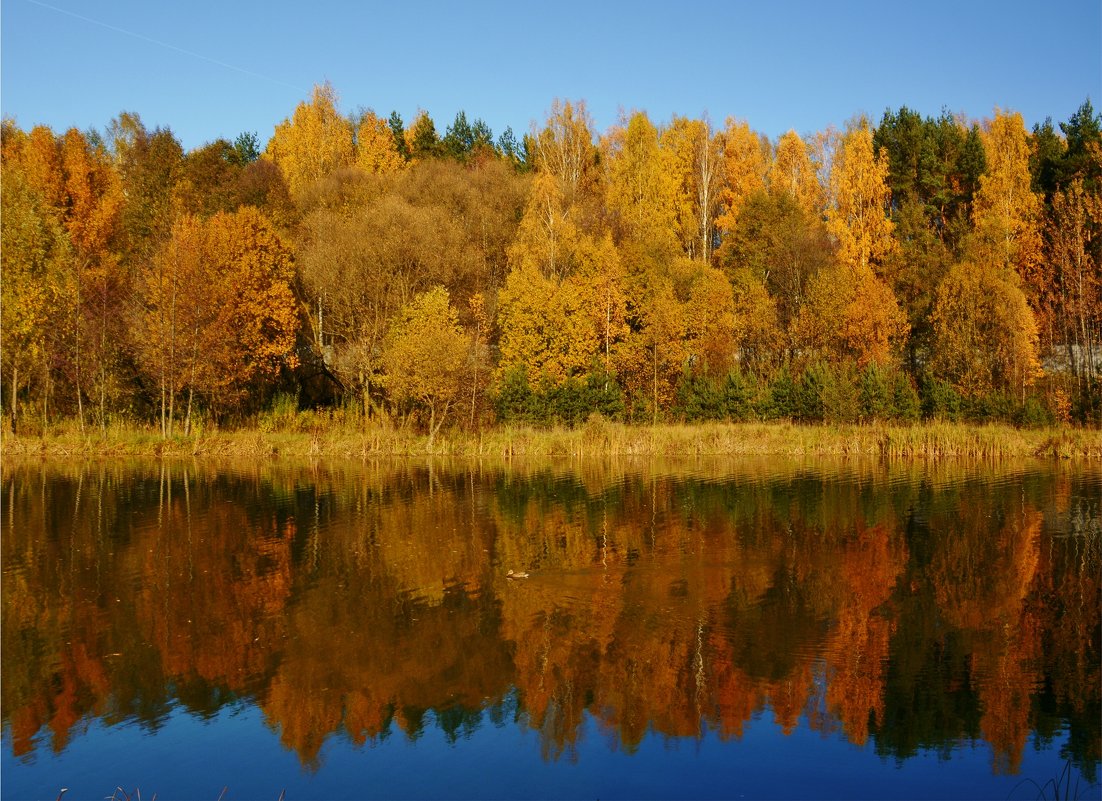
(596, 438)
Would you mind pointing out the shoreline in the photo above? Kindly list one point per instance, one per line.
(598, 438)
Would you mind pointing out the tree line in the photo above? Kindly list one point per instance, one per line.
(922, 267)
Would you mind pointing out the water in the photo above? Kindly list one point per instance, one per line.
(703, 629)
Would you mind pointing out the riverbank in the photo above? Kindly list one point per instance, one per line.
(596, 438)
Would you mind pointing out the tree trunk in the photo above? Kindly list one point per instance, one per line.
(190, 386)
(432, 424)
(656, 383)
(14, 395)
(171, 410)
(45, 396)
(187, 425)
(80, 404)
(76, 350)
(103, 398)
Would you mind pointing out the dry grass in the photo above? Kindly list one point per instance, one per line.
(595, 439)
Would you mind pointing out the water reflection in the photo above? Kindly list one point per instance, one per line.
(916, 607)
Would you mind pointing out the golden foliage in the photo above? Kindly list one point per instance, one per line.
(746, 163)
(852, 314)
(984, 331)
(376, 151)
(794, 173)
(858, 216)
(642, 194)
(697, 160)
(1006, 212)
(218, 310)
(564, 148)
(314, 143)
(425, 356)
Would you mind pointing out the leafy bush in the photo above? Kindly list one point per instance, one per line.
(281, 415)
(782, 402)
(994, 407)
(840, 394)
(940, 401)
(514, 401)
(1033, 414)
(569, 403)
(905, 399)
(700, 397)
(877, 393)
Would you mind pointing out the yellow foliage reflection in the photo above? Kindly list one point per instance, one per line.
(356, 601)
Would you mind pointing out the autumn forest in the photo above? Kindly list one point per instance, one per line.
(911, 268)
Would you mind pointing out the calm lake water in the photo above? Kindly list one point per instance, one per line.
(701, 629)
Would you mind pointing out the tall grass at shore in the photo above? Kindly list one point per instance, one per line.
(310, 436)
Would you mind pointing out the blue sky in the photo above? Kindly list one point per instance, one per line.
(215, 69)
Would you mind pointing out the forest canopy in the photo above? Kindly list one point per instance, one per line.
(657, 271)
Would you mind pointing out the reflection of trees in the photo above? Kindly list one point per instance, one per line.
(917, 607)
(981, 574)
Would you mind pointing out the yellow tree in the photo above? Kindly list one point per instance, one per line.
(642, 193)
(315, 142)
(218, 311)
(258, 266)
(1006, 212)
(376, 150)
(850, 314)
(745, 162)
(547, 236)
(546, 328)
(793, 172)
(600, 280)
(858, 216)
(757, 330)
(1075, 221)
(557, 327)
(92, 205)
(564, 147)
(32, 249)
(697, 159)
(710, 321)
(425, 357)
(530, 324)
(652, 357)
(985, 335)
(40, 157)
(172, 314)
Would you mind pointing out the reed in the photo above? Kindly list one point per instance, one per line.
(596, 438)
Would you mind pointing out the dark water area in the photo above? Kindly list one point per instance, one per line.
(698, 629)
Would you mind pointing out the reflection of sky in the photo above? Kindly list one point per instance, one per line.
(189, 758)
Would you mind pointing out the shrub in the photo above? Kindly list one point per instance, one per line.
(1033, 414)
(905, 399)
(783, 399)
(739, 393)
(940, 401)
(840, 394)
(569, 403)
(514, 400)
(877, 393)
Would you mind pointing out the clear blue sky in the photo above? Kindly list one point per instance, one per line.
(215, 69)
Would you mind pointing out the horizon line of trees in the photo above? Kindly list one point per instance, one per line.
(932, 267)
